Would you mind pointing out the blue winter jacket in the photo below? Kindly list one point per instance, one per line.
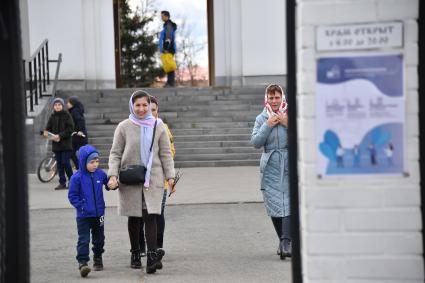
(167, 40)
(273, 165)
(85, 188)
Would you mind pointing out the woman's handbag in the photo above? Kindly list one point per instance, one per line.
(135, 174)
(168, 62)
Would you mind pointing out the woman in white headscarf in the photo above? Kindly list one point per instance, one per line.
(132, 146)
(270, 133)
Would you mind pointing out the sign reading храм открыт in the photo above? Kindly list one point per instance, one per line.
(359, 36)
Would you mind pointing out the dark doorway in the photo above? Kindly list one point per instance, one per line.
(137, 26)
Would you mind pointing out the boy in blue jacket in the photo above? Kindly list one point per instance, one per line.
(86, 195)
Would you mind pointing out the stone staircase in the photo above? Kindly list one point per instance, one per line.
(211, 126)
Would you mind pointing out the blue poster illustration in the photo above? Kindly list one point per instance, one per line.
(360, 115)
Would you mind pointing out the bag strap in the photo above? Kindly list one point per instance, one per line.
(153, 136)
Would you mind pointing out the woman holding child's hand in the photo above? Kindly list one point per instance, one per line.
(142, 202)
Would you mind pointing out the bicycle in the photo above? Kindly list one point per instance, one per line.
(47, 168)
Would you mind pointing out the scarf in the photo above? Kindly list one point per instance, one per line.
(283, 106)
(146, 125)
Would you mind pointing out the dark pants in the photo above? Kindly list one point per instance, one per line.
(64, 165)
(171, 76)
(282, 225)
(75, 147)
(85, 225)
(160, 227)
(135, 225)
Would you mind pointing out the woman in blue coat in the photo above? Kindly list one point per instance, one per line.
(270, 133)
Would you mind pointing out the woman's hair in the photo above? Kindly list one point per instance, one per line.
(154, 100)
(73, 100)
(274, 88)
(140, 94)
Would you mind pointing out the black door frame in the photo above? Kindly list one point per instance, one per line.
(14, 236)
(421, 92)
(291, 61)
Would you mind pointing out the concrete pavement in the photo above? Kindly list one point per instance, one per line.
(217, 230)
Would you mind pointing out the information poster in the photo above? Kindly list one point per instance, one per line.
(360, 115)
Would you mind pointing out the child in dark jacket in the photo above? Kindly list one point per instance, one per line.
(79, 136)
(60, 124)
(86, 195)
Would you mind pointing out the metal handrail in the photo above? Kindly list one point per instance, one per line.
(39, 75)
(55, 82)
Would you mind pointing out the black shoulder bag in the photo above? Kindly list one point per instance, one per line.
(135, 174)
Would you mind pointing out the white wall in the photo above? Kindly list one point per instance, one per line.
(82, 31)
(249, 38)
(358, 229)
(263, 37)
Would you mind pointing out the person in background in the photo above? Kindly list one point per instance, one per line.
(79, 135)
(270, 133)
(60, 124)
(160, 219)
(167, 43)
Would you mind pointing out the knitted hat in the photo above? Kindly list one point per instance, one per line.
(92, 156)
(58, 100)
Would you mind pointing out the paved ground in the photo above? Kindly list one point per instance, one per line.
(216, 231)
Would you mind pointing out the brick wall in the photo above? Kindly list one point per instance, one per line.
(358, 229)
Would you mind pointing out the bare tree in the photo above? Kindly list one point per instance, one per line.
(188, 50)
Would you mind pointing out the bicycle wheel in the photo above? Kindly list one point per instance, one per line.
(47, 169)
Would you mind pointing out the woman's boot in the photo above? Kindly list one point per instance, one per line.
(151, 262)
(135, 262)
(285, 243)
(285, 248)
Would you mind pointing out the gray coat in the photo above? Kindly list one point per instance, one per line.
(273, 165)
(126, 151)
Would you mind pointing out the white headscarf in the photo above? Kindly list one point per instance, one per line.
(283, 106)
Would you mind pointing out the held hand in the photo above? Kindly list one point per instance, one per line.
(113, 183)
(273, 121)
(171, 185)
(45, 133)
(283, 119)
(56, 138)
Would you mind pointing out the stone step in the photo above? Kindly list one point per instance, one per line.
(216, 163)
(101, 108)
(108, 130)
(206, 144)
(207, 117)
(181, 121)
(179, 132)
(209, 125)
(210, 157)
(102, 144)
(181, 125)
(218, 150)
(200, 163)
(201, 138)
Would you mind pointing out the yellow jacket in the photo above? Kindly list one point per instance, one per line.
(173, 149)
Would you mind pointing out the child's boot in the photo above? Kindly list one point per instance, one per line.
(97, 263)
(84, 269)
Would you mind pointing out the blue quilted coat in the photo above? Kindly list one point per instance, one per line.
(273, 165)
